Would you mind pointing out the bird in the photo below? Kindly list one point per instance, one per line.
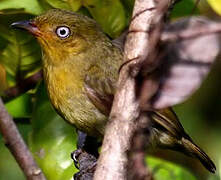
(80, 68)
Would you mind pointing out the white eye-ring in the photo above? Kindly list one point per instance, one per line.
(63, 32)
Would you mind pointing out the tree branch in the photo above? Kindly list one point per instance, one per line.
(17, 146)
(123, 120)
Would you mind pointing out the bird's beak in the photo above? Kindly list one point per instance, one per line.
(27, 25)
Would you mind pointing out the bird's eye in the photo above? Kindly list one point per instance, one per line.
(63, 32)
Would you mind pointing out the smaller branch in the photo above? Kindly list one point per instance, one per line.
(171, 34)
(195, 6)
(137, 167)
(22, 86)
(17, 146)
(177, 35)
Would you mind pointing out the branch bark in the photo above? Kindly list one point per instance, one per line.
(137, 167)
(123, 120)
(17, 146)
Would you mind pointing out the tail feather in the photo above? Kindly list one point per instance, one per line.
(195, 151)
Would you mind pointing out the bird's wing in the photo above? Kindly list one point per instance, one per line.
(101, 93)
(168, 120)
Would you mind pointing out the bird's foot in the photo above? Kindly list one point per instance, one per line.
(85, 162)
(86, 174)
(74, 155)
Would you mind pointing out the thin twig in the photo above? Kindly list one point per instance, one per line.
(195, 7)
(122, 124)
(22, 86)
(17, 146)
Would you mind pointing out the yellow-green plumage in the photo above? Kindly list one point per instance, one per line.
(80, 73)
(66, 63)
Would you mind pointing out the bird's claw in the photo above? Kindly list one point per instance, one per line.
(74, 155)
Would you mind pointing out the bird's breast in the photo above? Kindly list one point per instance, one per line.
(67, 95)
(62, 84)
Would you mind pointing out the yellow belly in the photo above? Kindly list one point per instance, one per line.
(70, 101)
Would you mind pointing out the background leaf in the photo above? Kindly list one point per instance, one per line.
(9, 169)
(184, 8)
(164, 170)
(185, 60)
(216, 5)
(63, 4)
(9, 6)
(52, 140)
(21, 53)
(20, 107)
(110, 14)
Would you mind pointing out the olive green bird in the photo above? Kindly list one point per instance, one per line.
(80, 67)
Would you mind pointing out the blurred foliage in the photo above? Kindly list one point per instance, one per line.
(49, 137)
(216, 5)
(109, 14)
(22, 6)
(183, 8)
(51, 140)
(20, 107)
(20, 54)
(164, 170)
(62, 4)
(3, 79)
(9, 169)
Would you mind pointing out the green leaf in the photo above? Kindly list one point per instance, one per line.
(164, 170)
(24, 6)
(20, 107)
(52, 140)
(184, 8)
(63, 4)
(128, 6)
(216, 5)
(21, 53)
(111, 15)
(44, 4)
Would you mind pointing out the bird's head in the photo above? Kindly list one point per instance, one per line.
(62, 32)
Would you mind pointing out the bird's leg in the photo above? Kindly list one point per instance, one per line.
(87, 165)
(80, 145)
(86, 155)
(85, 143)
(88, 143)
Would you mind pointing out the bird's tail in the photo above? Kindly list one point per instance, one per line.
(195, 151)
